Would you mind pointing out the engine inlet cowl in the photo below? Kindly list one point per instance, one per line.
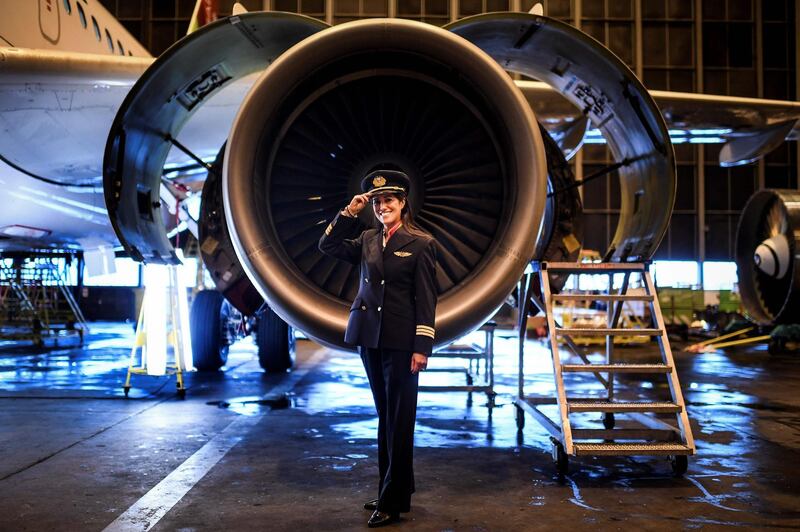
(765, 256)
(372, 92)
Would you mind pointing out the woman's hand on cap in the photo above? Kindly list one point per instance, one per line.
(358, 202)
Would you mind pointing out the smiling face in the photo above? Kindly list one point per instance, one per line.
(388, 209)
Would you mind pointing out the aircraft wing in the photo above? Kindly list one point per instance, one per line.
(749, 127)
(56, 109)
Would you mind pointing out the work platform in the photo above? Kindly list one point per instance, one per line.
(646, 432)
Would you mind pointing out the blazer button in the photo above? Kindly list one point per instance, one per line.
(363, 307)
(366, 280)
(382, 281)
(379, 309)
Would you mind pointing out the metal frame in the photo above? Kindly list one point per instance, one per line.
(475, 354)
(37, 304)
(656, 437)
(175, 339)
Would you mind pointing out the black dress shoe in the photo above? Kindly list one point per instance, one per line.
(382, 518)
(371, 505)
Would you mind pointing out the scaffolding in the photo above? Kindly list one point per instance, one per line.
(37, 304)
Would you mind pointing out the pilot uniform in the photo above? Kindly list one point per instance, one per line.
(391, 318)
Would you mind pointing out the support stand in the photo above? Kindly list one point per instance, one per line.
(476, 355)
(162, 341)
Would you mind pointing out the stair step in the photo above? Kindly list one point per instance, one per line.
(640, 434)
(607, 332)
(601, 297)
(592, 268)
(630, 449)
(606, 406)
(616, 368)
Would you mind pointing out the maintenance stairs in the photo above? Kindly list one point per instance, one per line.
(645, 432)
(36, 303)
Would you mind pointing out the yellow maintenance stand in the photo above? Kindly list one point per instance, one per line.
(162, 330)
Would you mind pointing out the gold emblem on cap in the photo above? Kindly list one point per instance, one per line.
(379, 181)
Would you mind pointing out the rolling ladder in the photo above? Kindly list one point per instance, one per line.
(36, 302)
(645, 432)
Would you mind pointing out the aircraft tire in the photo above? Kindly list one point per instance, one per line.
(208, 318)
(276, 342)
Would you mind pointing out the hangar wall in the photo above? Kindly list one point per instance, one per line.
(730, 47)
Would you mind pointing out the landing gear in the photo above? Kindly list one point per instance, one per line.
(209, 323)
(520, 418)
(679, 463)
(608, 420)
(276, 342)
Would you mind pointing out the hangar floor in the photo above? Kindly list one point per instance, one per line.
(76, 455)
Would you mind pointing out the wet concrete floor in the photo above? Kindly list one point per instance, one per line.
(75, 454)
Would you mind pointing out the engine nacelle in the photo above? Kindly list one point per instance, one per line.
(438, 103)
(373, 92)
(765, 256)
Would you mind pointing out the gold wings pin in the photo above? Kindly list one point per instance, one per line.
(402, 253)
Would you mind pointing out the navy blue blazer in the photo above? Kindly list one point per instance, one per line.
(395, 307)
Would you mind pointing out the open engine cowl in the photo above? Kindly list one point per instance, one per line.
(171, 91)
(606, 91)
(376, 91)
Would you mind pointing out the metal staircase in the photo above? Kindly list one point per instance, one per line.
(646, 432)
(36, 303)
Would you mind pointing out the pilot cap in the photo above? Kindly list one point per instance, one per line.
(386, 181)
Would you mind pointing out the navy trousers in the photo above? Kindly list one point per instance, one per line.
(394, 389)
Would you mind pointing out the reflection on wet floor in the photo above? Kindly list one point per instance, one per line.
(743, 405)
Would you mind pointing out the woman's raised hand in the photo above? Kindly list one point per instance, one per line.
(358, 202)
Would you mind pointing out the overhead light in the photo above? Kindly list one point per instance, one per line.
(24, 231)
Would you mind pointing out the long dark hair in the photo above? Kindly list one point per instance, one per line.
(408, 220)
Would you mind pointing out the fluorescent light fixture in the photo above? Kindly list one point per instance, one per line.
(710, 131)
(706, 140)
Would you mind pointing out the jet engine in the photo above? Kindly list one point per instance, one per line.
(333, 102)
(389, 91)
(765, 256)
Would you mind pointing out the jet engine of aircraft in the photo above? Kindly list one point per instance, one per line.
(333, 102)
(765, 257)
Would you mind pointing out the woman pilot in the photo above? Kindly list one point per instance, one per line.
(391, 321)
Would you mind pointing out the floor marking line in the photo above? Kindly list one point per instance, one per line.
(148, 510)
